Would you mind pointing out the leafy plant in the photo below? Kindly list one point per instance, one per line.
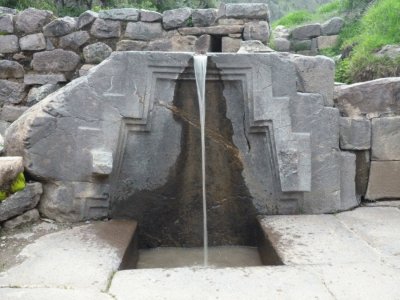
(293, 19)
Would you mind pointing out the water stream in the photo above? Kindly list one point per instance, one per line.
(200, 70)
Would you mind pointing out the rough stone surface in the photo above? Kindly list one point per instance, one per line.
(212, 30)
(355, 134)
(84, 70)
(392, 51)
(128, 45)
(37, 94)
(120, 14)
(106, 29)
(386, 138)
(325, 42)
(150, 16)
(86, 18)
(11, 69)
(51, 293)
(1, 143)
(20, 202)
(306, 32)
(230, 44)
(310, 70)
(99, 247)
(96, 53)
(253, 47)
(60, 27)
(11, 92)
(10, 113)
(176, 18)
(245, 11)
(8, 44)
(55, 61)
(143, 31)
(32, 20)
(362, 172)
(372, 99)
(204, 44)
(256, 31)
(383, 180)
(74, 40)
(6, 24)
(348, 181)
(300, 45)
(7, 10)
(33, 42)
(281, 44)
(10, 167)
(26, 218)
(332, 26)
(3, 126)
(204, 17)
(32, 79)
(102, 162)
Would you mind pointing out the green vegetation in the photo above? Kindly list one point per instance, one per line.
(293, 19)
(17, 185)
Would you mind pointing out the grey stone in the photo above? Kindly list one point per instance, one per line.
(10, 113)
(102, 162)
(143, 31)
(32, 20)
(230, 22)
(281, 32)
(11, 69)
(11, 92)
(1, 143)
(332, 26)
(7, 10)
(74, 40)
(52, 293)
(245, 11)
(310, 70)
(120, 14)
(96, 53)
(87, 18)
(49, 44)
(10, 167)
(212, 30)
(372, 99)
(383, 180)
(280, 44)
(26, 218)
(348, 181)
(325, 42)
(256, 31)
(362, 172)
(128, 45)
(391, 51)
(60, 27)
(6, 24)
(55, 61)
(300, 45)
(355, 134)
(204, 17)
(176, 18)
(84, 70)
(230, 44)
(253, 47)
(8, 44)
(32, 79)
(3, 127)
(386, 138)
(306, 32)
(150, 16)
(204, 44)
(37, 94)
(20, 202)
(32, 42)
(106, 29)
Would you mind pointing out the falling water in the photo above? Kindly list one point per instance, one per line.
(200, 69)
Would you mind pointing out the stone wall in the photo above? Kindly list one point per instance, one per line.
(40, 53)
(307, 39)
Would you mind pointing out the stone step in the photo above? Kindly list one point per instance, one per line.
(84, 257)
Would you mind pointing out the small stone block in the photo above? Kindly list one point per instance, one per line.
(102, 162)
(355, 134)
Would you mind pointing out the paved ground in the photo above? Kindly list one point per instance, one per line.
(351, 255)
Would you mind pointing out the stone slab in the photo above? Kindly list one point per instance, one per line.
(31, 79)
(306, 32)
(51, 294)
(257, 283)
(378, 226)
(120, 14)
(386, 138)
(82, 257)
(10, 113)
(212, 30)
(315, 239)
(348, 181)
(384, 180)
(9, 44)
(355, 134)
(325, 42)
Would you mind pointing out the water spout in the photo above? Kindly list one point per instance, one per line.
(200, 70)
